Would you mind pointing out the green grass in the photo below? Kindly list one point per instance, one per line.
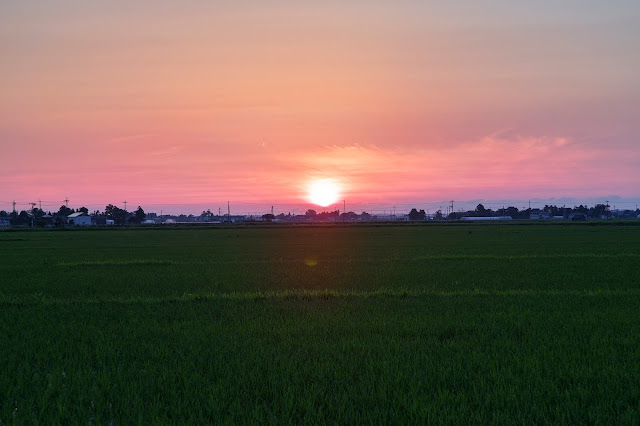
(449, 324)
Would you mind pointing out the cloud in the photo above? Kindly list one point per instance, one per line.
(493, 166)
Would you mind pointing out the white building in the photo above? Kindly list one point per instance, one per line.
(79, 218)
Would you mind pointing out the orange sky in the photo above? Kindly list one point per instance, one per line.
(200, 102)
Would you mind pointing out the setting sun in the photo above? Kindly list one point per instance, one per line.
(324, 192)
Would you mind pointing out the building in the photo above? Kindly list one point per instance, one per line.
(4, 221)
(537, 214)
(79, 218)
(99, 220)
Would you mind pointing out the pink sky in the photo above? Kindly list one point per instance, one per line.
(197, 103)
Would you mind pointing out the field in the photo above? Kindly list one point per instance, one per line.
(501, 323)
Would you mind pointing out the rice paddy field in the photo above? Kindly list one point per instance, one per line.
(452, 324)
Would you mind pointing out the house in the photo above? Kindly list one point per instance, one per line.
(537, 214)
(4, 221)
(99, 220)
(79, 218)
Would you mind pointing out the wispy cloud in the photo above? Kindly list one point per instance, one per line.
(129, 138)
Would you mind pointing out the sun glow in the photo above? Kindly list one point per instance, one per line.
(324, 192)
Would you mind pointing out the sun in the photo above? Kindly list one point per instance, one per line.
(324, 192)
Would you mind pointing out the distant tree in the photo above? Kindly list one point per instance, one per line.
(598, 211)
(268, 217)
(138, 216)
(23, 218)
(64, 211)
(206, 216)
(348, 217)
(118, 215)
(83, 210)
(311, 213)
(414, 214)
(37, 213)
(481, 211)
(327, 215)
(439, 215)
(365, 216)
(581, 209)
(3, 213)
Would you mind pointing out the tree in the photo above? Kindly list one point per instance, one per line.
(598, 211)
(439, 215)
(512, 211)
(417, 215)
(22, 219)
(480, 210)
(138, 216)
(268, 217)
(64, 211)
(311, 213)
(84, 210)
(116, 214)
(37, 213)
(206, 216)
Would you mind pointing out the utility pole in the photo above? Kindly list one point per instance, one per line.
(344, 209)
(33, 206)
(394, 212)
(271, 210)
(66, 202)
(160, 216)
(219, 212)
(451, 206)
(529, 204)
(125, 205)
(14, 206)
(40, 203)
(229, 211)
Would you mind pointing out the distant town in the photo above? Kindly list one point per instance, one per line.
(115, 216)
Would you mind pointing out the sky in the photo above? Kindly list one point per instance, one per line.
(171, 104)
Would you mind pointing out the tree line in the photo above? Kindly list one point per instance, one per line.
(38, 217)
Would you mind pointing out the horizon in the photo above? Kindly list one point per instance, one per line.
(399, 104)
(258, 209)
